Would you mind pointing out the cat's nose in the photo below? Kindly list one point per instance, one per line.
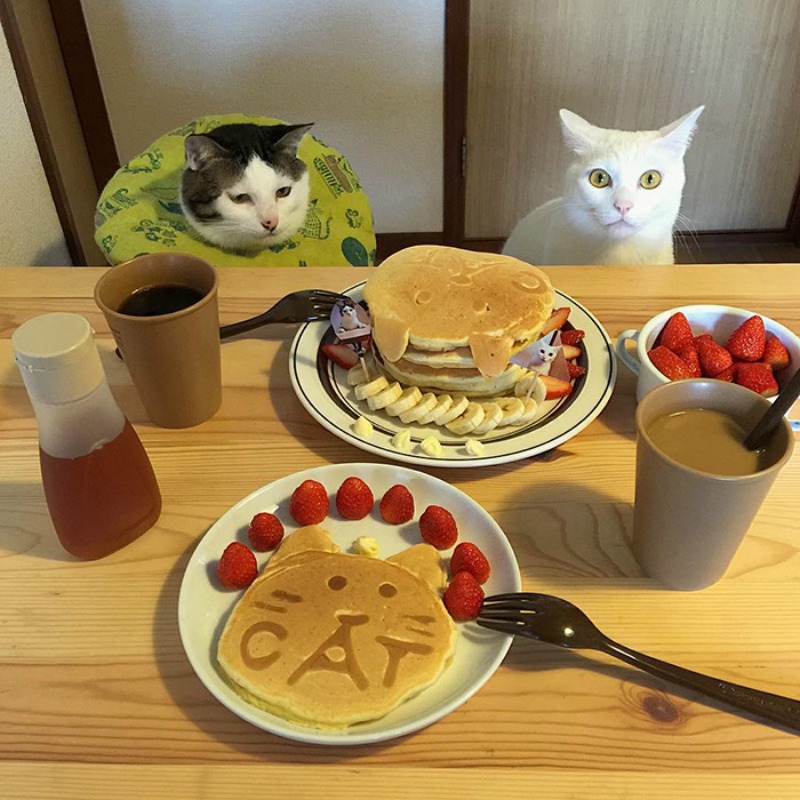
(269, 223)
(623, 206)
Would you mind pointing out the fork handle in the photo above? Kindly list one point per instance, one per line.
(774, 707)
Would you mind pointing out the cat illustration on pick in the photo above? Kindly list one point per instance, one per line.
(621, 198)
(243, 186)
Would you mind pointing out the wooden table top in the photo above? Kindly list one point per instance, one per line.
(98, 700)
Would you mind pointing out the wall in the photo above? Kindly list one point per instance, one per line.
(368, 73)
(30, 233)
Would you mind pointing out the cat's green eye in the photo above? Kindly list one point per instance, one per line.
(283, 191)
(650, 179)
(240, 198)
(599, 178)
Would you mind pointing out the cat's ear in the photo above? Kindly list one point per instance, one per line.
(290, 141)
(200, 150)
(579, 135)
(678, 134)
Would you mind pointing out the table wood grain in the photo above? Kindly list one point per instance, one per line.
(98, 700)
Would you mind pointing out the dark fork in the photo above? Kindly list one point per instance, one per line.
(308, 305)
(556, 621)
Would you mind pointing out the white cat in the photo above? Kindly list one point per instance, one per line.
(621, 198)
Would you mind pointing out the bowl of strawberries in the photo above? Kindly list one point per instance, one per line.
(711, 341)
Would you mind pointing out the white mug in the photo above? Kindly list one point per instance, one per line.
(720, 321)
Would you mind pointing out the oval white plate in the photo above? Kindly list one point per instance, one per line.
(203, 606)
(322, 388)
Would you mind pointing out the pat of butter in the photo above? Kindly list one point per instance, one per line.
(475, 447)
(402, 439)
(363, 427)
(366, 546)
(431, 446)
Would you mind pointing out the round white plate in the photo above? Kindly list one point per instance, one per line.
(203, 606)
(322, 388)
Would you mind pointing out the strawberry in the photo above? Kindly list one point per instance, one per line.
(688, 354)
(758, 377)
(341, 354)
(265, 532)
(438, 527)
(746, 343)
(354, 499)
(571, 352)
(309, 504)
(555, 387)
(726, 374)
(676, 333)
(556, 321)
(713, 357)
(237, 567)
(467, 557)
(575, 371)
(463, 597)
(775, 354)
(703, 337)
(668, 364)
(397, 505)
(572, 336)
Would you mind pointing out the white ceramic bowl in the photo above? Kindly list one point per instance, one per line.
(719, 321)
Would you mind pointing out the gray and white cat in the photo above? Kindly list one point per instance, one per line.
(621, 198)
(243, 186)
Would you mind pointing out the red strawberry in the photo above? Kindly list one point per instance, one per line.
(265, 532)
(555, 387)
(237, 567)
(713, 357)
(775, 354)
(463, 598)
(676, 333)
(556, 321)
(341, 354)
(746, 343)
(575, 371)
(397, 505)
(572, 336)
(726, 374)
(688, 354)
(570, 352)
(309, 504)
(354, 499)
(758, 377)
(438, 527)
(668, 364)
(467, 557)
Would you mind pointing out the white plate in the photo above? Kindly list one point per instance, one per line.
(322, 388)
(203, 606)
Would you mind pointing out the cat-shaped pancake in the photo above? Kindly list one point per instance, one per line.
(329, 640)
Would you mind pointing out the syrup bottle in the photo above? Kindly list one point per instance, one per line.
(99, 484)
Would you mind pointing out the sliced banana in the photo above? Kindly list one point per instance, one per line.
(356, 374)
(460, 403)
(373, 387)
(531, 407)
(513, 408)
(425, 404)
(443, 403)
(529, 386)
(407, 400)
(492, 414)
(468, 421)
(388, 395)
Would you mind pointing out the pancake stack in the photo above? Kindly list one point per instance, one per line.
(329, 640)
(450, 320)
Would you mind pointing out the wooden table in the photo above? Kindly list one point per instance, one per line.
(97, 698)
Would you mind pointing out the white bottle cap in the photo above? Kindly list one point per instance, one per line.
(57, 357)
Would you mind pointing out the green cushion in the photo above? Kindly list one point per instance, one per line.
(138, 211)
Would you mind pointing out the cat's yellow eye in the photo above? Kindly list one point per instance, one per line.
(650, 179)
(599, 178)
(240, 198)
(283, 191)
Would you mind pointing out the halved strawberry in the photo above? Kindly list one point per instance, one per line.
(555, 387)
(676, 333)
(669, 364)
(758, 377)
(341, 354)
(747, 342)
(572, 336)
(575, 371)
(570, 351)
(556, 321)
(775, 354)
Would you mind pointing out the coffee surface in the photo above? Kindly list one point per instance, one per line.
(153, 301)
(706, 440)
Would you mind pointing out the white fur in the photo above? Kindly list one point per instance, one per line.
(241, 225)
(586, 224)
